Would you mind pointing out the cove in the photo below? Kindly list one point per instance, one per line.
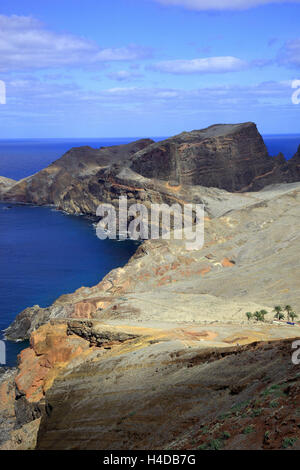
(44, 254)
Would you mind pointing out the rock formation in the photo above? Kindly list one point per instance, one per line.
(231, 157)
(6, 183)
(160, 354)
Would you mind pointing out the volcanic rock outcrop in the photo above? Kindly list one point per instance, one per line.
(247, 263)
(6, 183)
(160, 354)
(226, 156)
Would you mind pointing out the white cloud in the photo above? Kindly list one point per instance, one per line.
(38, 95)
(36, 104)
(290, 53)
(25, 43)
(221, 4)
(124, 75)
(206, 65)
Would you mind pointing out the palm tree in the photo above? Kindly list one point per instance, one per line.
(288, 309)
(263, 313)
(258, 317)
(293, 315)
(249, 315)
(278, 312)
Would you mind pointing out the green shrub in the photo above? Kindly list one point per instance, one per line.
(225, 435)
(288, 442)
(202, 446)
(248, 429)
(215, 444)
(256, 412)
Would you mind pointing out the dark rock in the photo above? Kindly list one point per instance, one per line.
(226, 156)
(22, 326)
(223, 156)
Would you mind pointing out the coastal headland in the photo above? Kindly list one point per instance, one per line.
(160, 354)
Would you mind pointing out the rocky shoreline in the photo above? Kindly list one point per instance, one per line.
(161, 348)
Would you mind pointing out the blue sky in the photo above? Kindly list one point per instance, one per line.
(110, 68)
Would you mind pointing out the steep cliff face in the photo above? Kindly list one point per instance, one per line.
(231, 157)
(229, 276)
(89, 385)
(159, 354)
(160, 394)
(162, 347)
(50, 185)
(294, 166)
(6, 183)
(221, 156)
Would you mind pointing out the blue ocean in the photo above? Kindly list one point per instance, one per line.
(45, 253)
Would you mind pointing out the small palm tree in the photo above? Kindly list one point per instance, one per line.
(258, 317)
(293, 315)
(278, 312)
(263, 313)
(249, 315)
(288, 310)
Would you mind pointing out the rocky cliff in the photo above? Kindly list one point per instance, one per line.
(160, 354)
(171, 324)
(230, 157)
(228, 277)
(222, 156)
(79, 165)
(6, 183)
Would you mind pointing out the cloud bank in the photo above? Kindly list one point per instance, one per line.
(290, 53)
(124, 75)
(26, 44)
(201, 66)
(221, 4)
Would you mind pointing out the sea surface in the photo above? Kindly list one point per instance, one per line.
(45, 253)
(287, 144)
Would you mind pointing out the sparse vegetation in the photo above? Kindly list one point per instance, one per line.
(263, 313)
(249, 315)
(275, 390)
(202, 447)
(224, 416)
(248, 429)
(205, 430)
(225, 435)
(278, 312)
(288, 442)
(288, 310)
(260, 315)
(256, 412)
(274, 404)
(293, 316)
(215, 444)
(238, 407)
